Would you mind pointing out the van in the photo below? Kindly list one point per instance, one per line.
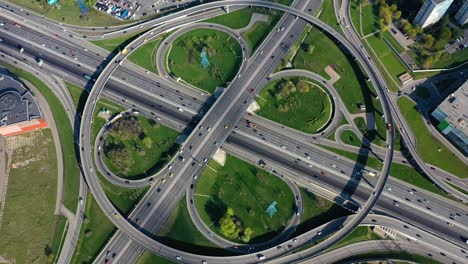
(261, 257)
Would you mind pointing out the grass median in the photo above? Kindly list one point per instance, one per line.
(255, 35)
(348, 137)
(430, 148)
(248, 191)
(296, 102)
(223, 52)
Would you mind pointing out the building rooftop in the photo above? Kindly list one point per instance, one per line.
(455, 106)
(16, 102)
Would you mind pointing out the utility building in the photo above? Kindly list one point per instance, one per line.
(462, 15)
(431, 12)
(452, 114)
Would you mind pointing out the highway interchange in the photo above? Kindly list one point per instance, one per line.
(242, 137)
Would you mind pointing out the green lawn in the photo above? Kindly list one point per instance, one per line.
(99, 229)
(149, 258)
(235, 20)
(361, 233)
(69, 13)
(180, 232)
(348, 137)
(428, 146)
(391, 255)
(147, 159)
(224, 54)
(370, 19)
(328, 15)
(392, 63)
(98, 121)
(145, 56)
(30, 230)
(317, 211)
(355, 14)
(422, 92)
(71, 179)
(458, 188)
(260, 30)
(248, 191)
(308, 110)
(352, 85)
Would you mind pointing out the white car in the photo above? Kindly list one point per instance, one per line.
(81, 201)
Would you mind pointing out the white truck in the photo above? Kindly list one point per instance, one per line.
(39, 61)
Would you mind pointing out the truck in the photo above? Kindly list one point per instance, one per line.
(366, 172)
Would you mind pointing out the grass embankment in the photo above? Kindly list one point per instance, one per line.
(148, 146)
(317, 211)
(145, 56)
(296, 102)
(180, 232)
(69, 13)
(361, 233)
(71, 173)
(115, 45)
(413, 258)
(30, 232)
(348, 137)
(223, 52)
(249, 191)
(430, 148)
(327, 15)
(94, 232)
(255, 35)
(235, 20)
(149, 258)
(399, 171)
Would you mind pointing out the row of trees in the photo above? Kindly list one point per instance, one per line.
(387, 13)
(231, 227)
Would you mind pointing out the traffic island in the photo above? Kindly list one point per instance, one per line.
(296, 102)
(233, 201)
(205, 58)
(135, 147)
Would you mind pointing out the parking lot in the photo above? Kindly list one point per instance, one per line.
(120, 9)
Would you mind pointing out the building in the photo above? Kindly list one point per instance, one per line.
(19, 111)
(462, 15)
(452, 114)
(405, 77)
(431, 12)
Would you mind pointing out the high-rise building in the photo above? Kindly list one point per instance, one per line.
(431, 12)
(452, 114)
(462, 14)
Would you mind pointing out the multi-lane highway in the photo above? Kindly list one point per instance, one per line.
(202, 152)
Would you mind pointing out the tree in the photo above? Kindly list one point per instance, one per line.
(428, 40)
(397, 14)
(228, 228)
(229, 212)
(247, 234)
(411, 33)
(428, 62)
(393, 7)
(148, 142)
(437, 56)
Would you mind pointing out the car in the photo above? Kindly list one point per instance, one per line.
(181, 158)
(319, 233)
(171, 175)
(169, 167)
(283, 146)
(117, 215)
(294, 240)
(208, 129)
(178, 258)
(204, 262)
(163, 180)
(226, 126)
(333, 165)
(81, 201)
(205, 159)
